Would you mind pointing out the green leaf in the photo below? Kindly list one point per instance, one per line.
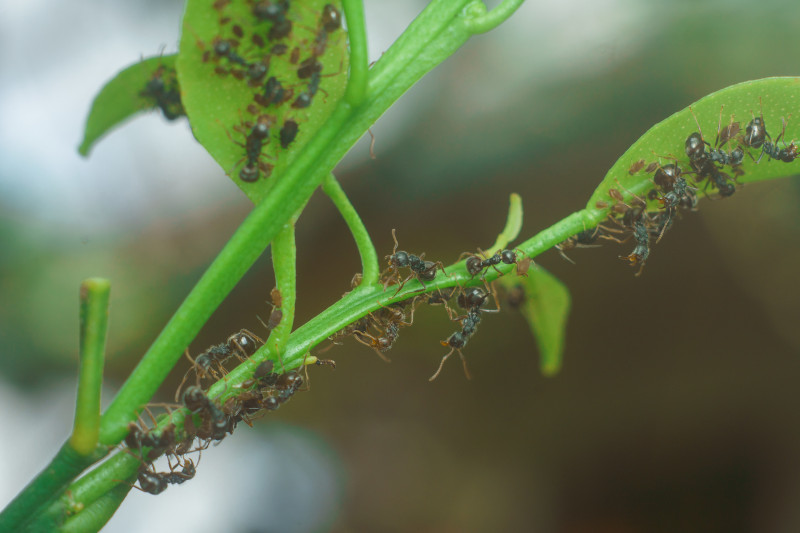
(130, 92)
(775, 97)
(224, 102)
(545, 306)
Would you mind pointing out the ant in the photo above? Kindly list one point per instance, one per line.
(242, 342)
(642, 250)
(472, 299)
(165, 93)
(716, 154)
(330, 21)
(274, 93)
(219, 424)
(255, 141)
(583, 239)
(475, 264)
(704, 166)
(787, 154)
(391, 318)
(676, 193)
(420, 269)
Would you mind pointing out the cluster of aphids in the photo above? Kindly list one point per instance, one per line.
(246, 50)
(163, 91)
(209, 419)
(716, 167)
(380, 329)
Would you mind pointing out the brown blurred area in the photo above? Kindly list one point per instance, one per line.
(676, 408)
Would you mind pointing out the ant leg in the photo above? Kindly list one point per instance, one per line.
(441, 364)
(373, 344)
(562, 254)
(464, 362)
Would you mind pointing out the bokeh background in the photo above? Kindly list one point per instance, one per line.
(676, 408)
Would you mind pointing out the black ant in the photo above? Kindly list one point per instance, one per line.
(704, 166)
(255, 141)
(787, 154)
(642, 250)
(583, 239)
(676, 193)
(420, 269)
(391, 318)
(216, 424)
(165, 93)
(476, 264)
(242, 342)
(274, 93)
(330, 21)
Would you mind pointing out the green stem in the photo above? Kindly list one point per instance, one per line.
(481, 21)
(94, 296)
(369, 257)
(284, 263)
(55, 478)
(96, 515)
(359, 68)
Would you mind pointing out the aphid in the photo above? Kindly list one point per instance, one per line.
(636, 166)
(288, 133)
(258, 40)
(308, 67)
(280, 30)
(294, 57)
(237, 31)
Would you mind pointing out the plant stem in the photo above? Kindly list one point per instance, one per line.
(481, 21)
(359, 68)
(94, 296)
(64, 467)
(369, 257)
(284, 263)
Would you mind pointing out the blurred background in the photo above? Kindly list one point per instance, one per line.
(676, 408)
